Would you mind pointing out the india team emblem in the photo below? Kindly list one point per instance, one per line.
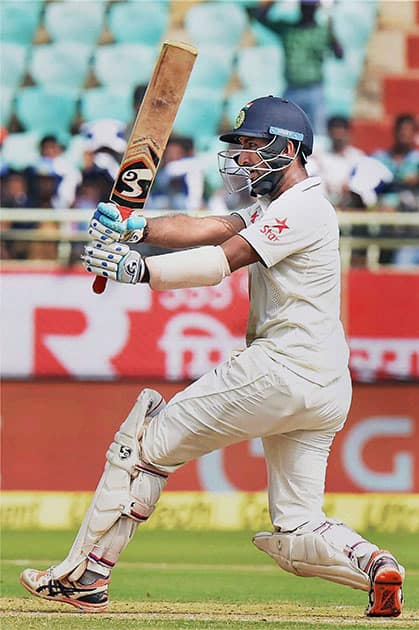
(240, 119)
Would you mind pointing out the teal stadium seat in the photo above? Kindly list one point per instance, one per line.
(13, 62)
(199, 116)
(20, 150)
(138, 22)
(213, 68)
(46, 110)
(340, 100)
(19, 20)
(216, 23)
(104, 102)
(7, 95)
(61, 64)
(354, 22)
(344, 72)
(75, 21)
(261, 68)
(125, 65)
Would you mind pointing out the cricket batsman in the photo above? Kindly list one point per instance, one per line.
(290, 385)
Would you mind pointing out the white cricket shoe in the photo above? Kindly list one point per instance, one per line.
(86, 597)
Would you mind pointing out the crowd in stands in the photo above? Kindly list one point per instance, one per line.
(387, 180)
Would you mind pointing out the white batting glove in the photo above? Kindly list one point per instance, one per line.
(115, 261)
(108, 225)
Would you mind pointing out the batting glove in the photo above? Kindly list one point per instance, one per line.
(115, 261)
(108, 225)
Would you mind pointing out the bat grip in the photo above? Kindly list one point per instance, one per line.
(99, 283)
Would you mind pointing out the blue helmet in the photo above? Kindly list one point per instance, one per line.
(272, 116)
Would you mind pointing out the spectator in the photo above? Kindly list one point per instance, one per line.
(14, 193)
(402, 159)
(336, 164)
(105, 146)
(51, 162)
(179, 183)
(306, 44)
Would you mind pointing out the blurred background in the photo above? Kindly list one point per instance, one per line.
(73, 73)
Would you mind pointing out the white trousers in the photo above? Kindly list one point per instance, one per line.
(251, 396)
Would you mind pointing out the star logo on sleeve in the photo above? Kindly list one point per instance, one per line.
(273, 232)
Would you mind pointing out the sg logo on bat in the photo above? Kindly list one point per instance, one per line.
(133, 184)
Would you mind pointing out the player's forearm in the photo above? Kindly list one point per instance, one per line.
(181, 231)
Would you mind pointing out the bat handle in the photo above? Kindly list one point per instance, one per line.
(99, 283)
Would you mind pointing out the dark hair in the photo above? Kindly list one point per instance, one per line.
(401, 119)
(338, 121)
(48, 138)
(185, 142)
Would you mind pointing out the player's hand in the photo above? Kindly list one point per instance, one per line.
(115, 261)
(108, 225)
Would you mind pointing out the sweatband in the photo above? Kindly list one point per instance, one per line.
(200, 267)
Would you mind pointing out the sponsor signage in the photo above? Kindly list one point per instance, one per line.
(53, 325)
(61, 431)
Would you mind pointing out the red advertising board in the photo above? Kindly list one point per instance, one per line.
(55, 435)
(53, 325)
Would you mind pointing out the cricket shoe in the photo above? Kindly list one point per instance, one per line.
(86, 597)
(386, 577)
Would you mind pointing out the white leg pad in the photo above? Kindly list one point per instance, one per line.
(310, 555)
(128, 487)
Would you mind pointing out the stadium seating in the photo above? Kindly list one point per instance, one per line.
(138, 22)
(213, 68)
(125, 65)
(340, 100)
(104, 102)
(46, 110)
(19, 150)
(353, 23)
(12, 68)
(19, 20)
(75, 21)
(344, 72)
(199, 115)
(216, 23)
(261, 68)
(61, 64)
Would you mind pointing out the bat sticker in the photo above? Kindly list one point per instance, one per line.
(132, 185)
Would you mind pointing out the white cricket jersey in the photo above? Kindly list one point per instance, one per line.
(295, 295)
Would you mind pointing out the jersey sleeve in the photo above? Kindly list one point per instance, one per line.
(282, 232)
(249, 214)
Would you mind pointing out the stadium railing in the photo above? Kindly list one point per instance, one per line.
(66, 227)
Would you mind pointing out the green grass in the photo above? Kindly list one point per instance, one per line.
(180, 579)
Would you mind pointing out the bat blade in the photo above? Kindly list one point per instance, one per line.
(151, 130)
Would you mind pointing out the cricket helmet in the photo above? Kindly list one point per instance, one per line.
(271, 116)
(277, 120)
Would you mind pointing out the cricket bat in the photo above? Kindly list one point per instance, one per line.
(151, 131)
